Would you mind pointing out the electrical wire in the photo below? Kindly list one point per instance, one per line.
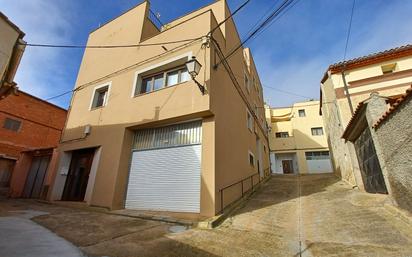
(267, 21)
(349, 30)
(107, 46)
(82, 86)
(169, 42)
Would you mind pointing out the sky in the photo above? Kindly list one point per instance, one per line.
(291, 55)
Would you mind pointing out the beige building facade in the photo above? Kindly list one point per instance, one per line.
(297, 140)
(347, 84)
(141, 135)
(11, 51)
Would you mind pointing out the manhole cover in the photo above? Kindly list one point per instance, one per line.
(177, 229)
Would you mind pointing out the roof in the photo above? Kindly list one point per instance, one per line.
(41, 100)
(6, 19)
(394, 107)
(359, 109)
(378, 57)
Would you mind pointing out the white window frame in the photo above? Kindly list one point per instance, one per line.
(106, 98)
(138, 76)
(249, 122)
(248, 159)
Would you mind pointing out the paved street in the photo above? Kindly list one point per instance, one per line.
(328, 219)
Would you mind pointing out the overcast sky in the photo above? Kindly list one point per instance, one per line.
(291, 55)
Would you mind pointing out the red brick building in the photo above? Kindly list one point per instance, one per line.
(27, 124)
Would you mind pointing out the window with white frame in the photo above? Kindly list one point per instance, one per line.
(249, 120)
(100, 96)
(159, 80)
(317, 131)
(320, 155)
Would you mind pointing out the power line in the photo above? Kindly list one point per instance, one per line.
(82, 86)
(273, 15)
(349, 29)
(170, 42)
(107, 46)
(230, 16)
(133, 45)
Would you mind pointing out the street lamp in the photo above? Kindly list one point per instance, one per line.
(193, 67)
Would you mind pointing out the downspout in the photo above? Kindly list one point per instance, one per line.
(345, 86)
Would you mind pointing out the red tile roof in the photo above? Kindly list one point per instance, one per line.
(355, 115)
(393, 53)
(394, 107)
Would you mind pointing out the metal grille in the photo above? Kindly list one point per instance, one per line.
(174, 135)
(369, 164)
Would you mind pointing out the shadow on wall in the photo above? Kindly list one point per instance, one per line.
(283, 188)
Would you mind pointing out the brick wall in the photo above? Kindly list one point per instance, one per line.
(41, 124)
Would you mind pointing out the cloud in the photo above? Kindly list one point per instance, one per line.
(295, 52)
(42, 71)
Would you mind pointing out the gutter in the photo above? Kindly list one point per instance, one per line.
(8, 86)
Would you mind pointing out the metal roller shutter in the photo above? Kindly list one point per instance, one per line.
(166, 177)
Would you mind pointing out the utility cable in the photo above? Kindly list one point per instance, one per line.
(107, 46)
(273, 15)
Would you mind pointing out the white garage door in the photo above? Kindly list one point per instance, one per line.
(165, 169)
(318, 162)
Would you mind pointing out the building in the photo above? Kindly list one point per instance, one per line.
(345, 85)
(296, 139)
(140, 132)
(30, 127)
(382, 138)
(11, 51)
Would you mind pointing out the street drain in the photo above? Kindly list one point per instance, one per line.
(177, 229)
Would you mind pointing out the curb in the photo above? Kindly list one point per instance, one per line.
(396, 211)
(230, 209)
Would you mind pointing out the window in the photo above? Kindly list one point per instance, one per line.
(247, 83)
(317, 131)
(11, 124)
(389, 68)
(100, 96)
(302, 113)
(321, 155)
(249, 120)
(163, 79)
(282, 134)
(251, 159)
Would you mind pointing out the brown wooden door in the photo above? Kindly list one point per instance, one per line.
(78, 176)
(287, 166)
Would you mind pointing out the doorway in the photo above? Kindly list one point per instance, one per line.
(78, 175)
(35, 178)
(287, 166)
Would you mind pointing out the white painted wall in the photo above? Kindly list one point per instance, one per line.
(276, 162)
(319, 166)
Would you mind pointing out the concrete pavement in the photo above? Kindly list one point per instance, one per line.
(21, 237)
(315, 215)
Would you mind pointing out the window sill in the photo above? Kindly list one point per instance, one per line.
(163, 88)
(96, 108)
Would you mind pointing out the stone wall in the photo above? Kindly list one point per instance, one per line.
(395, 140)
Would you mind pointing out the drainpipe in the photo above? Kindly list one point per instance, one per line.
(345, 86)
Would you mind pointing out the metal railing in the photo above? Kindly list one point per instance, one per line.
(252, 185)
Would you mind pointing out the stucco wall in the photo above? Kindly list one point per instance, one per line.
(395, 140)
(8, 39)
